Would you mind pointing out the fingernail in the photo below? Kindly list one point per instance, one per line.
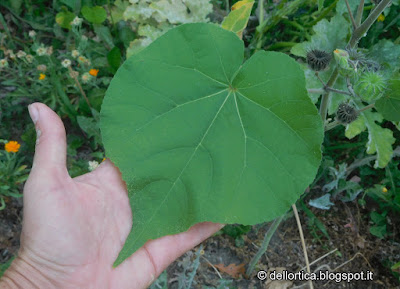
(33, 112)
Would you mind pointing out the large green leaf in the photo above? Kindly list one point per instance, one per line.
(200, 137)
(389, 105)
(380, 139)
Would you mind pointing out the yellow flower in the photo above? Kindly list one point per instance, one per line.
(12, 146)
(93, 72)
(384, 190)
(103, 159)
(381, 18)
(42, 76)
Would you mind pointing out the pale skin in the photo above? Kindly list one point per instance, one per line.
(73, 229)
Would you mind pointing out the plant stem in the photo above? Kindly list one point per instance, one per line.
(323, 109)
(359, 14)
(324, 13)
(364, 27)
(315, 90)
(71, 73)
(281, 45)
(260, 11)
(319, 78)
(367, 107)
(264, 246)
(338, 91)
(303, 243)
(351, 15)
(332, 125)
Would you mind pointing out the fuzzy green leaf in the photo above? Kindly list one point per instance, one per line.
(237, 19)
(389, 105)
(200, 137)
(380, 139)
(328, 36)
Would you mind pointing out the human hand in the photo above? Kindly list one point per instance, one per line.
(73, 229)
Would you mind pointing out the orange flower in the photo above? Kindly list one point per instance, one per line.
(42, 76)
(12, 146)
(93, 72)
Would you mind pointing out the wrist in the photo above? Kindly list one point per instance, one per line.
(24, 274)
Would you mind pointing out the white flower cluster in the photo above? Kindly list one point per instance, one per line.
(66, 63)
(77, 21)
(156, 17)
(92, 165)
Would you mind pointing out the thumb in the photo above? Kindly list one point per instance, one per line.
(51, 146)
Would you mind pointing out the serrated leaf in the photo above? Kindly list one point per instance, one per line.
(328, 36)
(355, 128)
(64, 19)
(380, 139)
(389, 105)
(95, 15)
(200, 137)
(237, 19)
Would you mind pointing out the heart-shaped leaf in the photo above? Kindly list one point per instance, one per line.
(200, 137)
(96, 14)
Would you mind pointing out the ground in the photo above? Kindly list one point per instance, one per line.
(357, 250)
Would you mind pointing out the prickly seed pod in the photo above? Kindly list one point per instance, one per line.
(318, 59)
(370, 65)
(355, 55)
(370, 86)
(346, 113)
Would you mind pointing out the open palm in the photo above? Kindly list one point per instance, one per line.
(73, 229)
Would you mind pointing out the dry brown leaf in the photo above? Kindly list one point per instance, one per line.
(233, 270)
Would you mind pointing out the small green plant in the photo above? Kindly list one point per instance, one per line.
(12, 172)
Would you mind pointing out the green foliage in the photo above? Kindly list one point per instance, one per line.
(12, 175)
(64, 19)
(181, 102)
(161, 282)
(95, 15)
(380, 139)
(379, 228)
(154, 18)
(328, 36)
(5, 266)
(91, 127)
(389, 105)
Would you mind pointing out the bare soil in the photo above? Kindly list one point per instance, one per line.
(347, 225)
